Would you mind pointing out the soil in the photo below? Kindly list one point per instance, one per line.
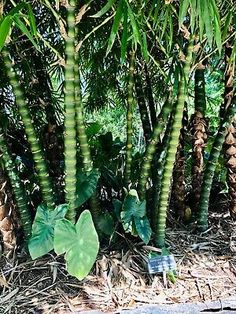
(206, 266)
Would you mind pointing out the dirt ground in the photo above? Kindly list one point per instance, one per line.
(206, 266)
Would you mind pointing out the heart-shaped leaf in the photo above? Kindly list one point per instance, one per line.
(87, 183)
(132, 207)
(143, 228)
(79, 242)
(106, 223)
(41, 241)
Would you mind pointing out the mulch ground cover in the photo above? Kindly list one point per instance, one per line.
(206, 265)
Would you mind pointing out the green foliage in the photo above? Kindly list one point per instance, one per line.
(41, 241)
(106, 223)
(99, 80)
(86, 185)
(79, 243)
(18, 19)
(133, 216)
(125, 18)
(105, 9)
(115, 26)
(204, 18)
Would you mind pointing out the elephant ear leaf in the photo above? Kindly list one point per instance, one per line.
(87, 183)
(133, 217)
(143, 228)
(132, 207)
(79, 243)
(41, 241)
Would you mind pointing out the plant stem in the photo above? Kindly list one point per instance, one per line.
(202, 220)
(18, 190)
(199, 127)
(38, 154)
(171, 152)
(130, 110)
(70, 122)
(151, 148)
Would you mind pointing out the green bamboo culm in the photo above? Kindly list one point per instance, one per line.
(130, 109)
(84, 147)
(142, 106)
(82, 136)
(158, 167)
(202, 219)
(70, 112)
(171, 152)
(17, 187)
(37, 152)
(200, 94)
(151, 148)
(199, 132)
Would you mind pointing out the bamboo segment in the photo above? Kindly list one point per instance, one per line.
(7, 217)
(158, 175)
(230, 153)
(18, 190)
(130, 110)
(199, 131)
(142, 107)
(171, 152)
(38, 154)
(230, 139)
(178, 187)
(150, 97)
(74, 123)
(82, 136)
(151, 148)
(210, 168)
(70, 120)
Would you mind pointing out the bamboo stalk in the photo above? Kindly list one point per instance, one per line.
(130, 109)
(202, 220)
(171, 152)
(37, 152)
(70, 122)
(151, 148)
(17, 187)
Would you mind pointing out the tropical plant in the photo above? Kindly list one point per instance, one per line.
(125, 53)
(199, 131)
(210, 168)
(230, 140)
(171, 151)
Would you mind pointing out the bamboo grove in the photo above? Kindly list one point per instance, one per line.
(158, 62)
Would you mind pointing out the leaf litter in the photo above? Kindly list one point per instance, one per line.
(206, 267)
